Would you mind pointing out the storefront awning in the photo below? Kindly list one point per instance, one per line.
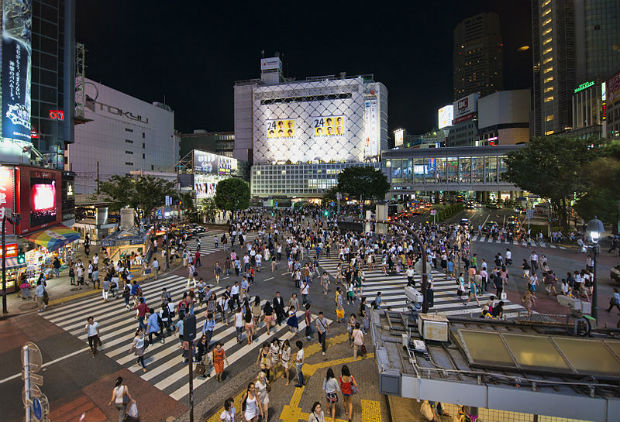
(54, 237)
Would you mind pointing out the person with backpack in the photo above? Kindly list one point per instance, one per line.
(155, 326)
(348, 387)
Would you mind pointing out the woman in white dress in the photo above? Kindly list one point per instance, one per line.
(262, 387)
(275, 356)
(285, 358)
(250, 403)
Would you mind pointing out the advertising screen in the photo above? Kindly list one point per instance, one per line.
(465, 108)
(204, 185)
(42, 201)
(15, 57)
(613, 89)
(371, 140)
(280, 129)
(445, 116)
(328, 126)
(205, 162)
(7, 189)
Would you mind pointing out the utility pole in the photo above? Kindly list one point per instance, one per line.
(97, 177)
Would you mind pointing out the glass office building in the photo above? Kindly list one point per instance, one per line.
(476, 171)
(297, 180)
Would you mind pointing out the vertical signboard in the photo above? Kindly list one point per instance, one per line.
(399, 137)
(40, 198)
(371, 135)
(15, 73)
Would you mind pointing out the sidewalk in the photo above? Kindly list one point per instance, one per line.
(291, 404)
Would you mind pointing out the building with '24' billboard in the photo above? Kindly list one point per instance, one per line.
(299, 134)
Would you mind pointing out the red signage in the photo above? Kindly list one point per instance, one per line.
(7, 191)
(11, 250)
(39, 198)
(57, 115)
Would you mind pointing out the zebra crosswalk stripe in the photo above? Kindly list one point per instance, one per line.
(391, 287)
(166, 370)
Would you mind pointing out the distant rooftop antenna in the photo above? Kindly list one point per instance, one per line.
(262, 54)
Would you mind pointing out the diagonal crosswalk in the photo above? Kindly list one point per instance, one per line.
(207, 242)
(165, 367)
(446, 301)
(535, 243)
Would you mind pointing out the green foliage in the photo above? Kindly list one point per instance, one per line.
(232, 194)
(552, 167)
(602, 179)
(208, 208)
(330, 194)
(360, 181)
(445, 211)
(143, 193)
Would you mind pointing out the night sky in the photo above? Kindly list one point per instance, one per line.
(191, 52)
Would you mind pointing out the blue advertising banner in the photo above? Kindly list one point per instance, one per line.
(15, 77)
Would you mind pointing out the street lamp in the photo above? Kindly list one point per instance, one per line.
(594, 231)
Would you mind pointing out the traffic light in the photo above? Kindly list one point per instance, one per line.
(21, 258)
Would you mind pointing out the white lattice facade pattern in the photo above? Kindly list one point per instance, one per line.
(319, 121)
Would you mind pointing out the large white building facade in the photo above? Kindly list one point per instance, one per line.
(122, 134)
(299, 135)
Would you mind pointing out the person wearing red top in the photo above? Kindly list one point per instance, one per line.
(142, 310)
(197, 255)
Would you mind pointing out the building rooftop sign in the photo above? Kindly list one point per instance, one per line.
(583, 86)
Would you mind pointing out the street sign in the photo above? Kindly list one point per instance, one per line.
(529, 214)
(37, 409)
(160, 214)
(433, 212)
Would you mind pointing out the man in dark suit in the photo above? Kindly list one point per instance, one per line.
(278, 307)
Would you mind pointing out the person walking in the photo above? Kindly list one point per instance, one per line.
(155, 326)
(331, 388)
(348, 387)
(121, 398)
(92, 328)
(308, 321)
(249, 402)
(614, 300)
(41, 295)
(316, 414)
(339, 305)
(292, 320)
(263, 388)
(358, 340)
(299, 363)
(285, 358)
(322, 326)
(219, 359)
(139, 347)
(264, 359)
(228, 414)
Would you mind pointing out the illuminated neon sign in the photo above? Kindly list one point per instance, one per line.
(583, 86)
(57, 115)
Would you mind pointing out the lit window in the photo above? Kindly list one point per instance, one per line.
(549, 89)
(546, 12)
(549, 132)
(548, 69)
(547, 50)
(547, 31)
(546, 2)
(548, 79)
(547, 60)
(283, 171)
(549, 98)
(549, 117)
(258, 172)
(546, 22)
(548, 40)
